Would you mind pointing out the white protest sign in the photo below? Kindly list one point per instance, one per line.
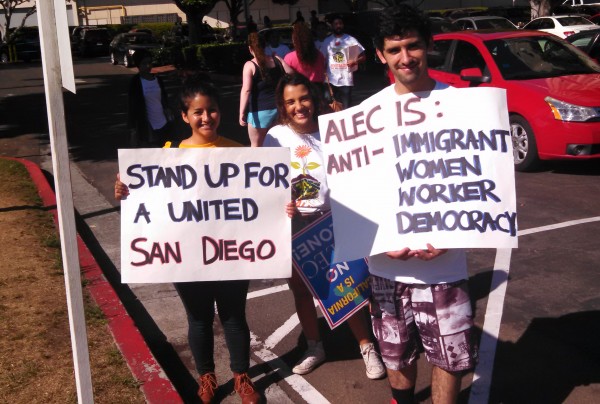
(435, 167)
(198, 214)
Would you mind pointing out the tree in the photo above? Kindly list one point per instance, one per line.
(195, 10)
(540, 8)
(235, 8)
(9, 7)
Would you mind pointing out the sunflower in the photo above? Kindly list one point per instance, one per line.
(302, 151)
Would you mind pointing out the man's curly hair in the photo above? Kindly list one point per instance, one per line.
(400, 20)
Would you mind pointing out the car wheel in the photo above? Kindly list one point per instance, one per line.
(525, 151)
(3, 57)
(126, 61)
(113, 59)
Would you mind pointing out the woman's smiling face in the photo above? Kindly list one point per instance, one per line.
(299, 107)
(203, 116)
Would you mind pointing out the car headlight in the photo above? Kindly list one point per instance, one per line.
(131, 52)
(564, 111)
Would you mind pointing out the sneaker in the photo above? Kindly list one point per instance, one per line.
(246, 389)
(313, 357)
(208, 385)
(375, 368)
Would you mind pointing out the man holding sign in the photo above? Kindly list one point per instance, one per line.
(420, 298)
(343, 54)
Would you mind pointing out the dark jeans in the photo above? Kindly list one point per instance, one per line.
(199, 299)
(343, 94)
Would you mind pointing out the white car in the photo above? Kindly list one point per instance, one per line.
(561, 25)
(483, 22)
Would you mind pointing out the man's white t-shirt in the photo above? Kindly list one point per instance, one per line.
(308, 176)
(337, 52)
(446, 268)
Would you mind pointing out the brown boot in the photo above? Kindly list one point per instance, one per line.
(208, 385)
(246, 389)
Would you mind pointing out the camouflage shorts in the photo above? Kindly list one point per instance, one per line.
(409, 319)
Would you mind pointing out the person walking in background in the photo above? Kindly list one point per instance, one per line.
(343, 53)
(314, 21)
(273, 47)
(299, 17)
(420, 299)
(148, 105)
(251, 25)
(267, 22)
(306, 58)
(299, 105)
(199, 103)
(320, 35)
(257, 97)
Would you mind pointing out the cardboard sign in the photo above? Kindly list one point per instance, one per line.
(205, 214)
(342, 288)
(432, 167)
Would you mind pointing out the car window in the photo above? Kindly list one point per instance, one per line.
(537, 57)
(534, 24)
(547, 23)
(494, 24)
(466, 55)
(96, 35)
(436, 57)
(572, 20)
(582, 42)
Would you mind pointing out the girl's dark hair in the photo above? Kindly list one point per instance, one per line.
(304, 44)
(400, 20)
(296, 79)
(193, 85)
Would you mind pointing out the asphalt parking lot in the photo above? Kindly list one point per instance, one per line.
(537, 307)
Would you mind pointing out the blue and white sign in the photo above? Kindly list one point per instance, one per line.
(342, 288)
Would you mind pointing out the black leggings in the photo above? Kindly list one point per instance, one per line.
(199, 299)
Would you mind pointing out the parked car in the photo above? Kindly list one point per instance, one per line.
(93, 42)
(24, 45)
(560, 25)
(588, 41)
(552, 90)
(123, 46)
(483, 22)
(439, 25)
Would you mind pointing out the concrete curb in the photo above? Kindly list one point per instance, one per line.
(156, 387)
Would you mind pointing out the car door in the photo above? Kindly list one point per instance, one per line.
(461, 55)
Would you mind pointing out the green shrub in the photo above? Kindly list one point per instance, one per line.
(228, 58)
(159, 29)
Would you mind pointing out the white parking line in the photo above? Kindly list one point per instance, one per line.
(267, 291)
(558, 225)
(482, 378)
(298, 383)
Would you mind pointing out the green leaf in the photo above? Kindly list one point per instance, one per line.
(295, 165)
(312, 166)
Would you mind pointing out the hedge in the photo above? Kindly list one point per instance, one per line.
(228, 58)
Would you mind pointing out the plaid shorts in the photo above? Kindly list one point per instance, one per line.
(412, 318)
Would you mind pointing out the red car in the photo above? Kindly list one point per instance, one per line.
(553, 90)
